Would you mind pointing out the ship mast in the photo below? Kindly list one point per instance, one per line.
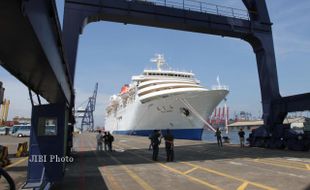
(159, 60)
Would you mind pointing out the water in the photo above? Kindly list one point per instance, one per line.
(209, 136)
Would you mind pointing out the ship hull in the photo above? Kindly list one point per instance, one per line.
(166, 113)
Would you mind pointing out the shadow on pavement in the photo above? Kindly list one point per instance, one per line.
(200, 152)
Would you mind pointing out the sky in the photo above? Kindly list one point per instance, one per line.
(110, 53)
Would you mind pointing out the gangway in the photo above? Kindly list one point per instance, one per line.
(190, 107)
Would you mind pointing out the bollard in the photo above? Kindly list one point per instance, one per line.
(4, 160)
(22, 149)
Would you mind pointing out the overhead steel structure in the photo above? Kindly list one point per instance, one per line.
(252, 26)
(36, 52)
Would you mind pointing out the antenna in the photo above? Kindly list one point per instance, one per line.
(218, 80)
(159, 60)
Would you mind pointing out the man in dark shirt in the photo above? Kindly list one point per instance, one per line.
(241, 137)
(110, 141)
(169, 145)
(155, 144)
(218, 135)
(106, 141)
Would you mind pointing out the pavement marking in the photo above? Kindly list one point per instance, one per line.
(230, 176)
(236, 163)
(178, 172)
(105, 170)
(16, 163)
(294, 159)
(190, 177)
(113, 184)
(119, 150)
(139, 180)
(190, 170)
(308, 166)
(243, 186)
(222, 174)
(133, 175)
(274, 163)
(290, 162)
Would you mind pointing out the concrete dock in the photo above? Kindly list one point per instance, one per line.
(198, 165)
(18, 167)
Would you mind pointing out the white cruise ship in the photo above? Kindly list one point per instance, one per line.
(163, 99)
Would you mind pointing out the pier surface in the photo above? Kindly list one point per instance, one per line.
(198, 165)
(18, 167)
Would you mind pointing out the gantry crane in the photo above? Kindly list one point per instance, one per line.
(87, 113)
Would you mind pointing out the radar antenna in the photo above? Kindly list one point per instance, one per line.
(159, 60)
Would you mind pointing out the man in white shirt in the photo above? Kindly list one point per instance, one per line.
(99, 141)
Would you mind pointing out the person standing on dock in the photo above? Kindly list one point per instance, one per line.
(169, 145)
(218, 135)
(110, 141)
(106, 141)
(155, 144)
(99, 138)
(151, 140)
(241, 137)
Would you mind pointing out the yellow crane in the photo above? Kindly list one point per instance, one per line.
(4, 111)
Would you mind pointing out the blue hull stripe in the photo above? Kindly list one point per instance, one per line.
(192, 134)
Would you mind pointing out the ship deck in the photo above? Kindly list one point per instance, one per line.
(198, 165)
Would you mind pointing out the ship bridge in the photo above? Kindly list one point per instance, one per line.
(35, 50)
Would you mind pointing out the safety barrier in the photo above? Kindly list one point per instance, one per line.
(4, 160)
(22, 149)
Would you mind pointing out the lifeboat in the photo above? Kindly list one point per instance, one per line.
(124, 89)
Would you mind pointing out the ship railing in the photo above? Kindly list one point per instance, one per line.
(220, 87)
(201, 6)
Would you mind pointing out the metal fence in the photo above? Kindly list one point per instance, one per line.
(201, 6)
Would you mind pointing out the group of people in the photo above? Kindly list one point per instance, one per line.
(105, 139)
(218, 135)
(156, 138)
